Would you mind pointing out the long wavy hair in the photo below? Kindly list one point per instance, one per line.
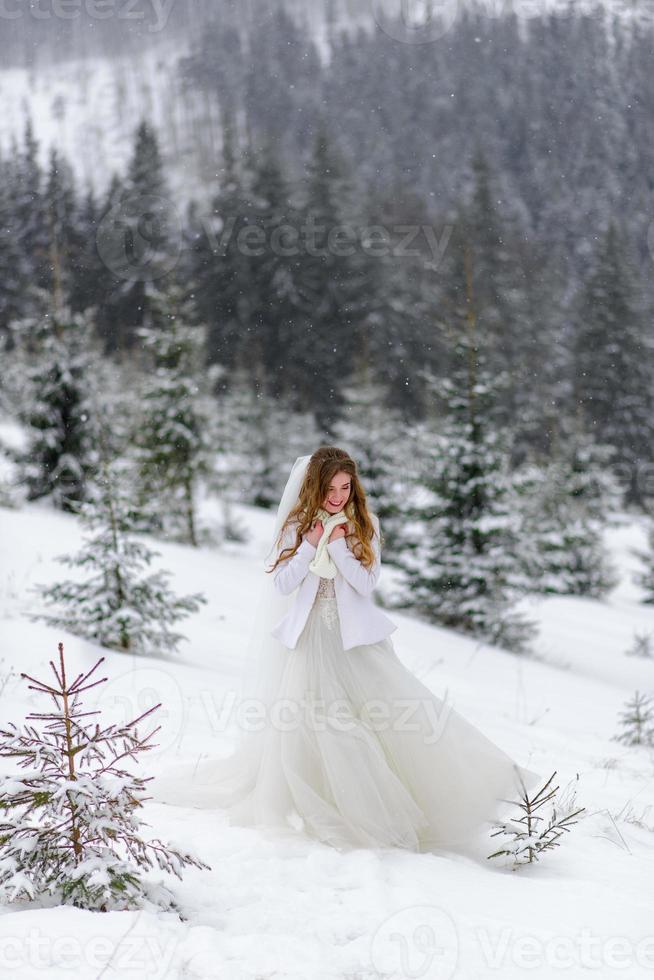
(322, 467)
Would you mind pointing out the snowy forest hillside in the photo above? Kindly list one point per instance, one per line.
(298, 907)
(461, 143)
(232, 235)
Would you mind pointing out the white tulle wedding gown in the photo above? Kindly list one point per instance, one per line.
(360, 754)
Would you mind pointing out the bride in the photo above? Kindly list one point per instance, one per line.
(348, 746)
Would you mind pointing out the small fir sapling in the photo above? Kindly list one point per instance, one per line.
(69, 826)
(637, 721)
(526, 839)
(643, 646)
(175, 433)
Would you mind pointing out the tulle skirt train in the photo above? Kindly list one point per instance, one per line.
(355, 751)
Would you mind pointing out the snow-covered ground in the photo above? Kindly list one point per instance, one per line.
(293, 908)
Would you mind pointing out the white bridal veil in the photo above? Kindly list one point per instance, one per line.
(265, 655)
(214, 780)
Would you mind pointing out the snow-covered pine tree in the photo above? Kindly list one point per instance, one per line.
(595, 486)
(70, 827)
(92, 279)
(637, 721)
(12, 438)
(29, 219)
(420, 443)
(230, 480)
(613, 361)
(564, 505)
(262, 436)
(175, 434)
(269, 334)
(58, 358)
(220, 270)
(392, 306)
(138, 237)
(11, 492)
(512, 346)
(64, 230)
(326, 284)
(376, 436)
(119, 605)
(459, 555)
(645, 578)
(11, 294)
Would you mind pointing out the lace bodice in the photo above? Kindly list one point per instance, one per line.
(326, 588)
(326, 602)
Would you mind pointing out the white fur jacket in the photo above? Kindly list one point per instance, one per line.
(361, 620)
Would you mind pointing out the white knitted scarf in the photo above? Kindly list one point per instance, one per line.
(322, 563)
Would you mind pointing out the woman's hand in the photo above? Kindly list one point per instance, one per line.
(314, 535)
(337, 532)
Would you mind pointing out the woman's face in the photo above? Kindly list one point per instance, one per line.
(338, 492)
